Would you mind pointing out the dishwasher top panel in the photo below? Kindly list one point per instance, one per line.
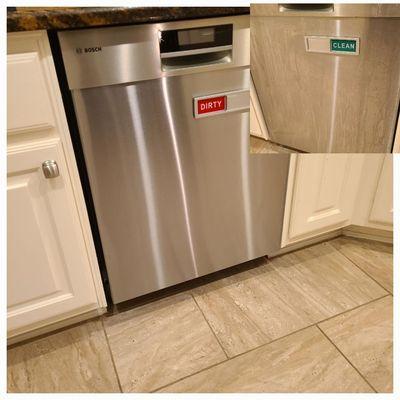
(117, 55)
(328, 10)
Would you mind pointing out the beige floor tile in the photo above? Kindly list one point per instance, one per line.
(72, 360)
(220, 303)
(302, 362)
(365, 337)
(375, 258)
(161, 342)
(288, 293)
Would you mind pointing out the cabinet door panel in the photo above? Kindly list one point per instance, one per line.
(323, 194)
(28, 102)
(382, 207)
(48, 272)
(32, 248)
(257, 124)
(254, 125)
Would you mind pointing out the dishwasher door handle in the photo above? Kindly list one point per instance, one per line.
(196, 58)
(207, 50)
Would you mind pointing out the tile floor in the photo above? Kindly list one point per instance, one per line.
(315, 320)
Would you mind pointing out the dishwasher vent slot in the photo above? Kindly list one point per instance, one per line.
(310, 7)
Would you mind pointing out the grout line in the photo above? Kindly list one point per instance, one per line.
(316, 324)
(111, 354)
(362, 270)
(233, 357)
(267, 343)
(52, 332)
(337, 348)
(351, 309)
(212, 330)
(387, 293)
(252, 321)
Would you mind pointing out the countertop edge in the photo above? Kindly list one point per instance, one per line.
(75, 18)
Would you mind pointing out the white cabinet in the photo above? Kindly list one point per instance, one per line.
(382, 206)
(52, 270)
(32, 110)
(320, 194)
(48, 271)
(396, 145)
(257, 123)
(374, 208)
(327, 192)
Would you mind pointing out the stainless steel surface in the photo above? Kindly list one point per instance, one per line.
(176, 197)
(126, 57)
(331, 10)
(50, 169)
(318, 102)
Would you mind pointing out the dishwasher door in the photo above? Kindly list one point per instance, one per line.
(176, 197)
(317, 99)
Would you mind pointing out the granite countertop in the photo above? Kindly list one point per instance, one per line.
(37, 18)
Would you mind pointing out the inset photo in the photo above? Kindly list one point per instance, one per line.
(326, 78)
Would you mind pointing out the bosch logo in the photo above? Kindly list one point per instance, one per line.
(80, 50)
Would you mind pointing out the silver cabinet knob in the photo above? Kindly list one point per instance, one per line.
(50, 169)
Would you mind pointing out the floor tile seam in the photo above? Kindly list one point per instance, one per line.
(297, 287)
(248, 317)
(364, 272)
(387, 293)
(346, 358)
(210, 327)
(233, 358)
(305, 327)
(336, 251)
(272, 341)
(228, 358)
(311, 325)
(315, 324)
(353, 308)
(111, 355)
(52, 332)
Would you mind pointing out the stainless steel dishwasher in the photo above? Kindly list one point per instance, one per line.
(328, 75)
(163, 115)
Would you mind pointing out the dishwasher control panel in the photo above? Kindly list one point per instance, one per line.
(188, 48)
(123, 54)
(178, 40)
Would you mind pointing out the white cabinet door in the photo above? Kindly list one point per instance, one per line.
(255, 128)
(48, 267)
(257, 123)
(396, 145)
(28, 101)
(322, 190)
(382, 206)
